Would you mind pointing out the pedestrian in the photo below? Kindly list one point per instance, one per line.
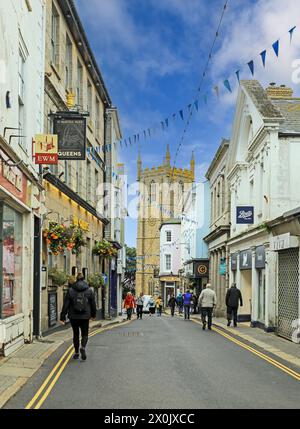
(158, 304)
(80, 306)
(207, 302)
(233, 299)
(129, 304)
(195, 303)
(180, 302)
(172, 303)
(187, 302)
(140, 306)
(151, 305)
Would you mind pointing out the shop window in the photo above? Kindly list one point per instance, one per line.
(11, 263)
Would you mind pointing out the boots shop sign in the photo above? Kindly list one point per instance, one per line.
(71, 132)
(245, 215)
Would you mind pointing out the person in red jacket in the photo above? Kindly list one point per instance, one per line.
(129, 305)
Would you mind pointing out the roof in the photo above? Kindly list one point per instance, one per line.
(170, 222)
(290, 109)
(263, 103)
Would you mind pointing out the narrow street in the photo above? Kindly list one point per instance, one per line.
(162, 363)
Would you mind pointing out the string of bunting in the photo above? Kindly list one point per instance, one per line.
(165, 124)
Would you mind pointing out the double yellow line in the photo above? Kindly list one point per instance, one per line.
(44, 391)
(284, 368)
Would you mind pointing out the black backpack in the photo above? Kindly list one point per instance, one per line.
(80, 302)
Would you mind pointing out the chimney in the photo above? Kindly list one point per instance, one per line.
(279, 92)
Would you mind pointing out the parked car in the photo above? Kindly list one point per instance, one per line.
(146, 300)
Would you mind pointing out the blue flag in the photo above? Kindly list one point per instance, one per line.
(276, 48)
(197, 105)
(167, 122)
(251, 66)
(181, 114)
(263, 57)
(291, 31)
(227, 85)
(238, 75)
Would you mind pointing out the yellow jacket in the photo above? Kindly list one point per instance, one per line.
(158, 302)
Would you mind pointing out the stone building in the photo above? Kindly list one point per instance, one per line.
(219, 225)
(162, 192)
(74, 188)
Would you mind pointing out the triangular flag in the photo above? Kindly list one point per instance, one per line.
(197, 105)
(276, 48)
(138, 137)
(238, 75)
(227, 85)
(189, 107)
(134, 138)
(216, 88)
(263, 57)
(181, 114)
(174, 116)
(130, 141)
(145, 135)
(163, 126)
(167, 122)
(251, 66)
(291, 31)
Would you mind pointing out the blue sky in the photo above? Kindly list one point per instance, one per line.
(152, 55)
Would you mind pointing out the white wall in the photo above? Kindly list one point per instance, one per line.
(172, 248)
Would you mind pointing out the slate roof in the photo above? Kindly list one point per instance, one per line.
(290, 109)
(262, 102)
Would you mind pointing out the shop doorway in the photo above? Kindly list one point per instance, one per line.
(169, 291)
(261, 295)
(246, 289)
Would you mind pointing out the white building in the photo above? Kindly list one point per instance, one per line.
(22, 32)
(264, 180)
(170, 258)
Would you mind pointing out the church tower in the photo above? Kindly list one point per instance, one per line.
(161, 198)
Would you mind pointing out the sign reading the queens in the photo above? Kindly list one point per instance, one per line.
(71, 131)
(245, 215)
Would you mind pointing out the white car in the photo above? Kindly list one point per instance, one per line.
(146, 300)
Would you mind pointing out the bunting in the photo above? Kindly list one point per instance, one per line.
(275, 46)
(263, 57)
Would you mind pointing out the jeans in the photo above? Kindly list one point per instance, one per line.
(232, 312)
(82, 325)
(206, 312)
(129, 313)
(172, 311)
(187, 310)
(159, 311)
(139, 311)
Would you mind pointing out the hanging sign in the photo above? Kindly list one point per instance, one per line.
(245, 215)
(71, 131)
(46, 149)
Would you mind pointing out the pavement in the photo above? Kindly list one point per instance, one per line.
(17, 369)
(269, 342)
(163, 363)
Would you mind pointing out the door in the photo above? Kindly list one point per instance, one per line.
(37, 277)
(261, 295)
(288, 291)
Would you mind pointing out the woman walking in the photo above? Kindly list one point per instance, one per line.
(158, 304)
(151, 305)
(129, 305)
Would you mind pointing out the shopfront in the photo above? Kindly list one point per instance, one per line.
(260, 265)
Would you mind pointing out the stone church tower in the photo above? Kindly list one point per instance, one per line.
(163, 191)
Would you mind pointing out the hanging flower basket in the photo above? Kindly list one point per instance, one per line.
(77, 240)
(105, 249)
(96, 281)
(60, 238)
(59, 278)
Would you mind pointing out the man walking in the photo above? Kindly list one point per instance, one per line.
(207, 302)
(172, 303)
(80, 306)
(180, 302)
(140, 306)
(187, 302)
(129, 305)
(233, 298)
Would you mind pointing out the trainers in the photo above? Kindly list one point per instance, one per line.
(76, 356)
(229, 323)
(83, 353)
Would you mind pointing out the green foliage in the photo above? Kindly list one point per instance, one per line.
(105, 249)
(95, 281)
(59, 278)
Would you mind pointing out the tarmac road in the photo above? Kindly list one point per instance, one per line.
(161, 363)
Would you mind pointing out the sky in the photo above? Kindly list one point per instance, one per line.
(152, 55)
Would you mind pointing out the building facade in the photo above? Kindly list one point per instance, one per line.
(74, 188)
(170, 259)
(263, 178)
(22, 27)
(219, 225)
(162, 192)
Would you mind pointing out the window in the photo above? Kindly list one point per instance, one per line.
(55, 37)
(68, 66)
(96, 188)
(152, 192)
(90, 102)
(98, 135)
(11, 262)
(89, 182)
(168, 263)
(79, 95)
(168, 236)
(22, 97)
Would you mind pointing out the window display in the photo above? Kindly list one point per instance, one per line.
(12, 263)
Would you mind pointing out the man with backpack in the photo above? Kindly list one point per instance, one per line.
(80, 306)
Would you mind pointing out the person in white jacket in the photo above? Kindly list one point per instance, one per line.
(207, 302)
